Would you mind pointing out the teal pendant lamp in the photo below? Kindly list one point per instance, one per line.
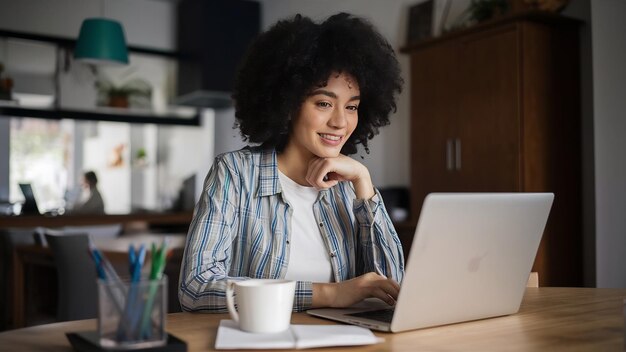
(101, 42)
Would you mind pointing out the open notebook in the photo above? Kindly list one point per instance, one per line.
(230, 337)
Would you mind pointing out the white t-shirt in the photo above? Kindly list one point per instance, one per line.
(308, 256)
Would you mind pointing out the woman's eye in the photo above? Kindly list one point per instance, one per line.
(353, 107)
(323, 104)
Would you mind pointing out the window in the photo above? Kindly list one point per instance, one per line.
(39, 152)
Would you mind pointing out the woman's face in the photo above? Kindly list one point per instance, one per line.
(84, 183)
(327, 117)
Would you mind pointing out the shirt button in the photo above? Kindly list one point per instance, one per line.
(321, 224)
(332, 255)
(287, 241)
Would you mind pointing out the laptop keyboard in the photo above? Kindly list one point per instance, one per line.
(383, 315)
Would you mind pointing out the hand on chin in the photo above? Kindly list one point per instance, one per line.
(326, 172)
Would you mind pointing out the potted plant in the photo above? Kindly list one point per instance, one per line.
(479, 11)
(141, 158)
(136, 92)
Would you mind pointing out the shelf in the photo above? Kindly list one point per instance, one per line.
(104, 114)
(175, 115)
(153, 218)
(529, 15)
(69, 42)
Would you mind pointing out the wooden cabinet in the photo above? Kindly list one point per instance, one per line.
(496, 109)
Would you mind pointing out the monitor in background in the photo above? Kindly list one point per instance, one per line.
(186, 200)
(30, 204)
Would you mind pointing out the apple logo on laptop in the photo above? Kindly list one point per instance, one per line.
(474, 263)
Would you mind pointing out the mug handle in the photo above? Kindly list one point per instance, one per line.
(230, 301)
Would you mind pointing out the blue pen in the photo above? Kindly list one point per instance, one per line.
(109, 272)
(133, 300)
(141, 256)
(132, 259)
(99, 269)
(102, 270)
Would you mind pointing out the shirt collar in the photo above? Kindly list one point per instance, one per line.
(268, 183)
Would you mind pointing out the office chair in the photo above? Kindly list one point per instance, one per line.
(77, 293)
(10, 238)
(93, 231)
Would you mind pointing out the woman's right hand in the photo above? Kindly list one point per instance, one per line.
(346, 293)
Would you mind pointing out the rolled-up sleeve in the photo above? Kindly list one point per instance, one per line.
(381, 250)
(304, 296)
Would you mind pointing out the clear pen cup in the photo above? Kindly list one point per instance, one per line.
(132, 315)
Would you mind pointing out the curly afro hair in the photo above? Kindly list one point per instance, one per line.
(297, 55)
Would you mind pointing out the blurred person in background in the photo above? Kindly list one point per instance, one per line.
(90, 201)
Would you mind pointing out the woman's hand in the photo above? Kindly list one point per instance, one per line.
(326, 172)
(346, 293)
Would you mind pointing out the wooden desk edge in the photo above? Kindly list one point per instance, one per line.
(84, 220)
(546, 305)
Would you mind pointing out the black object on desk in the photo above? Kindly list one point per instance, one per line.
(30, 204)
(89, 341)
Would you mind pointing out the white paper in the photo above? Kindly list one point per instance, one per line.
(229, 337)
(311, 336)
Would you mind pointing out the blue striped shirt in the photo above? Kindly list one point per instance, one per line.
(242, 225)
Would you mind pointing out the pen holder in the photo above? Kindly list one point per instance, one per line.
(131, 315)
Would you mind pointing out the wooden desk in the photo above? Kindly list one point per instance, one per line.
(550, 319)
(116, 250)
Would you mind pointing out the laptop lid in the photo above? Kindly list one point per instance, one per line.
(30, 204)
(470, 259)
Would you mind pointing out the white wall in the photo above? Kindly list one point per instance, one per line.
(113, 181)
(185, 151)
(609, 86)
(226, 137)
(147, 23)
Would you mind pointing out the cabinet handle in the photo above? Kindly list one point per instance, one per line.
(457, 154)
(449, 151)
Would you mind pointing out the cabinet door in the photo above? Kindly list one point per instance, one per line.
(433, 88)
(489, 115)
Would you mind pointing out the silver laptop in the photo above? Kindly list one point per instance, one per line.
(470, 259)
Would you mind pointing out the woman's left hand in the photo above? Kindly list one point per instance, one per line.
(326, 172)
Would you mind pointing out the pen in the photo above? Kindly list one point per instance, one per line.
(96, 259)
(156, 273)
(107, 274)
(106, 268)
(133, 301)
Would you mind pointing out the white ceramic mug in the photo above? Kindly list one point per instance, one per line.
(264, 304)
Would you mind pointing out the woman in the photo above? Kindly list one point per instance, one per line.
(90, 200)
(296, 207)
